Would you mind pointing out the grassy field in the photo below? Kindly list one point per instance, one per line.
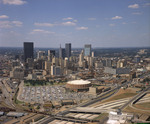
(131, 110)
(144, 106)
(101, 116)
(122, 94)
(130, 92)
(125, 95)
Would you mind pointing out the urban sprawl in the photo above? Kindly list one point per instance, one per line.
(74, 85)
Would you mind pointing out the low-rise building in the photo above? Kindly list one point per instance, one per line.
(118, 117)
(68, 102)
(115, 71)
(17, 73)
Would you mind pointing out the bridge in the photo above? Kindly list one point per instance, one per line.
(91, 110)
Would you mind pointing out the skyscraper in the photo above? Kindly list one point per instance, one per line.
(87, 50)
(55, 70)
(40, 54)
(61, 52)
(81, 58)
(68, 49)
(51, 54)
(28, 50)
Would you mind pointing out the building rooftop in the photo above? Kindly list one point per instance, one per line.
(1, 113)
(15, 114)
(79, 82)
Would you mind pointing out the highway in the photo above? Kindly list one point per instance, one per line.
(7, 94)
(103, 96)
(112, 104)
(99, 98)
(138, 95)
(143, 100)
(135, 98)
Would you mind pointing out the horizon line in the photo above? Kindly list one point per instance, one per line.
(78, 47)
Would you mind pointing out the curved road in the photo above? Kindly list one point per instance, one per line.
(135, 98)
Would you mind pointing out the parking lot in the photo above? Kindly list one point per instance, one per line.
(41, 94)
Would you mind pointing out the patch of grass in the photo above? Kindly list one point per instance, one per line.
(121, 94)
(125, 95)
(101, 116)
(15, 100)
(145, 106)
(42, 83)
(18, 102)
(116, 107)
(131, 110)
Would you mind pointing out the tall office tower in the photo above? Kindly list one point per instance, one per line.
(55, 70)
(61, 63)
(55, 61)
(47, 65)
(28, 50)
(51, 54)
(91, 63)
(66, 63)
(87, 50)
(61, 52)
(81, 58)
(68, 49)
(40, 54)
(92, 54)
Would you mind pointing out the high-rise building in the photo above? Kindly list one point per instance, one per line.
(47, 65)
(51, 54)
(66, 63)
(40, 54)
(81, 58)
(87, 50)
(28, 50)
(55, 70)
(91, 63)
(68, 49)
(92, 54)
(61, 52)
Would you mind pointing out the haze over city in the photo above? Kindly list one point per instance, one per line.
(49, 23)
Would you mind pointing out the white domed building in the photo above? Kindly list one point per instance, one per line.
(78, 85)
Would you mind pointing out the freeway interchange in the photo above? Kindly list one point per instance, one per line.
(7, 93)
(83, 107)
(121, 103)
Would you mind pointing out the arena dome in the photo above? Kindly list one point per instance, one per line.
(78, 85)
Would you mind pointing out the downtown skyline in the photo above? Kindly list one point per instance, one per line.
(49, 23)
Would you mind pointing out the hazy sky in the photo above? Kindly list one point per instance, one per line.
(49, 23)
